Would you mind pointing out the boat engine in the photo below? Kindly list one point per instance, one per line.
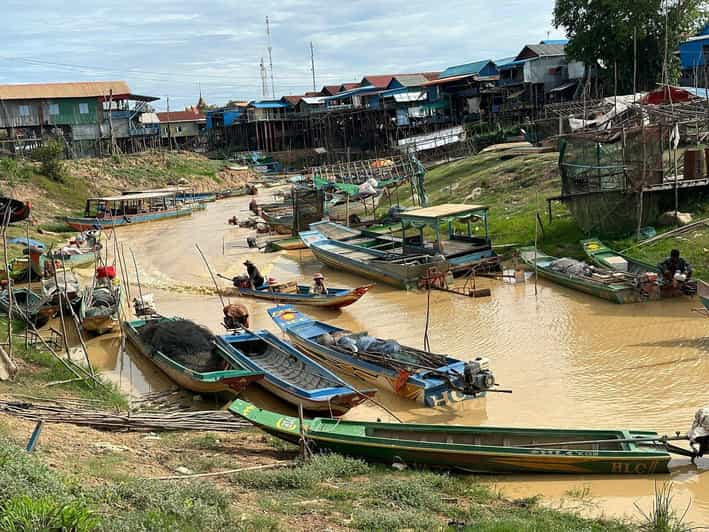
(477, 376)
(699, 433)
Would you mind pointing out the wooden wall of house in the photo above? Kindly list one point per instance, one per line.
(35, 113)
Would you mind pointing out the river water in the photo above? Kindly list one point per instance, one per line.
(571, 360)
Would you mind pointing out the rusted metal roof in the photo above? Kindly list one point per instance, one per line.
(181, 116)
(293, 100)
(82, 89)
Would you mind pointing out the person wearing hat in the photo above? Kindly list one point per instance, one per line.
(236, 316)
(255, 276)
(319, 288)
(675, 269)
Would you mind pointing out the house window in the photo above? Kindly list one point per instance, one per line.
(24, 110)
(179, 129)
(84, 108)
(53, 109)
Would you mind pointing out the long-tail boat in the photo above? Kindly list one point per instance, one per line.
(27, 305)
(703, 293)
(612, 285)
(396, 269)
(476, 449)
(100, 306)
(290, 374)
(235, 378)
(291, 292)
(605, 257)
(114, 211)
(430, 379)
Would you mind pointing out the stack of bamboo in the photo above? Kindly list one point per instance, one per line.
(209, 420)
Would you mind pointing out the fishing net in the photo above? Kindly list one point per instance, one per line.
(183, 341)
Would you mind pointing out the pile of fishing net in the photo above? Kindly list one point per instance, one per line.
(571, 267)
(184, 342)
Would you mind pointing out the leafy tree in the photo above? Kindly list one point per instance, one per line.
(601, 33)
(51, 157)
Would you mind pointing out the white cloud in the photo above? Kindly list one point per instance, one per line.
(167, 47)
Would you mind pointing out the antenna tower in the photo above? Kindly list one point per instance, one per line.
(270, 58)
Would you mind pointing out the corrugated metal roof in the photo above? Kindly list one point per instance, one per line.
(331, 89)
(269, 104)
(413, 96)
(82, 89)
(314, 100)
(512, 64)
(181, 116)
(504, 61)
(293, 100)
(359, 91)
(465, 69)
(541, 50)
(412, 80)
(380, 81)
(448, 80)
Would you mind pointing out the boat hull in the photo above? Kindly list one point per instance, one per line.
(426, 393)
(614, 295)
(359, 439)
(85, 223)
(330, 301)
(405, 276)
(292, 376)
(227, 381)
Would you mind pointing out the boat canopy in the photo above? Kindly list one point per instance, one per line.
(133, 197)
(448, 212)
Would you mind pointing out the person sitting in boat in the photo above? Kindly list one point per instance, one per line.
(675, 270)
(236, 316)
(319, 288)
(255, 276)
(253, 206)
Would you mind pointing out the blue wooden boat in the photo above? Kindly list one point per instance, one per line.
(289, 374)
(428, 378)
(115, 211)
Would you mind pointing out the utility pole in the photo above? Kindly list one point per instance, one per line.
(169, 126)
(312, 63)
(270, 58)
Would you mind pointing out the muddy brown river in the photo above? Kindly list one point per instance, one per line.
(571, 360)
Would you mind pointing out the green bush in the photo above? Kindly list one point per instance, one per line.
(158, 505)
(23, 513)
(306, 475)
(395, 520)
(21, 475)
(51, 157)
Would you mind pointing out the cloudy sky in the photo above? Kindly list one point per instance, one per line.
(173, 47)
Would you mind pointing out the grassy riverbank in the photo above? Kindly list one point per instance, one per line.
(84, 479)
(515, 189)
(104, 491)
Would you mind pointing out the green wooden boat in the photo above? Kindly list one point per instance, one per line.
(603, 256)
(605, 283)
(234, 378)
(474, 449)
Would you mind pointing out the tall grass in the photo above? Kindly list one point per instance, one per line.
(662, 517)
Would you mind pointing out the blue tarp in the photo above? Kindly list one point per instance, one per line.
(26, 242)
